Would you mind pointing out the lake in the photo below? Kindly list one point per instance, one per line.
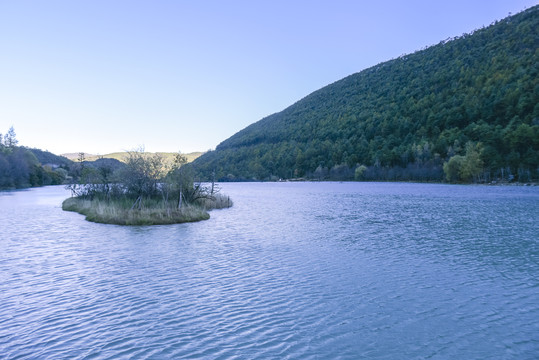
(293, 270)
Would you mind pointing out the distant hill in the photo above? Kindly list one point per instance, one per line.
(110, 163)
(75, 156)
(471, 103)
(45, 157)
(121, 156)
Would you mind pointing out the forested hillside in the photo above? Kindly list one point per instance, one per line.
(21, 167)
(465, 109)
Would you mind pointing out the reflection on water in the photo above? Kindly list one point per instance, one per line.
(297, 270)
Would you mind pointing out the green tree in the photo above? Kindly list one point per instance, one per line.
(142, 174)
(10, 139)
(472, 166)
(465, 168)
(359, 173)
(178, 179)
(452, 168)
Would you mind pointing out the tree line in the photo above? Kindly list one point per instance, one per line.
(20, 168)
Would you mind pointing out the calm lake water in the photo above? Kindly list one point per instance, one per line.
(293, 270)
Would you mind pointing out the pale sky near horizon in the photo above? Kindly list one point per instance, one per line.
(106, 76)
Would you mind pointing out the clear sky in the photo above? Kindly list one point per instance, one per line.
(104, 76)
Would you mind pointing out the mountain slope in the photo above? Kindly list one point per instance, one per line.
(45, 157)
(403, 118)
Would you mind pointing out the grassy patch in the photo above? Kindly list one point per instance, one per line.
(119, 212)
(218, 201)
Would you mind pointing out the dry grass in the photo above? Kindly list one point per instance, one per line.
(219, 201)
(119, 212)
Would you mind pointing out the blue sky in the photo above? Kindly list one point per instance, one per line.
(105, 76)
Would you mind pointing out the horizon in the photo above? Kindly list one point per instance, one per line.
(120, 152)
(114, 77)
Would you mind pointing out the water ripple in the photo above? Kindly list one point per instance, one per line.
(293, 270)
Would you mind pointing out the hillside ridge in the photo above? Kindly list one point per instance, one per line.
(472, 98)
(121, 156)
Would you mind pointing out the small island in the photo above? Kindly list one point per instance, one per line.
(144, 191)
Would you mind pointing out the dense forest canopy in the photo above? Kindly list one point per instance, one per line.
(465, 109)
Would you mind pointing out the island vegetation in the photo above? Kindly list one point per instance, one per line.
(143, 192)
(141, 189)
(464, 110)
